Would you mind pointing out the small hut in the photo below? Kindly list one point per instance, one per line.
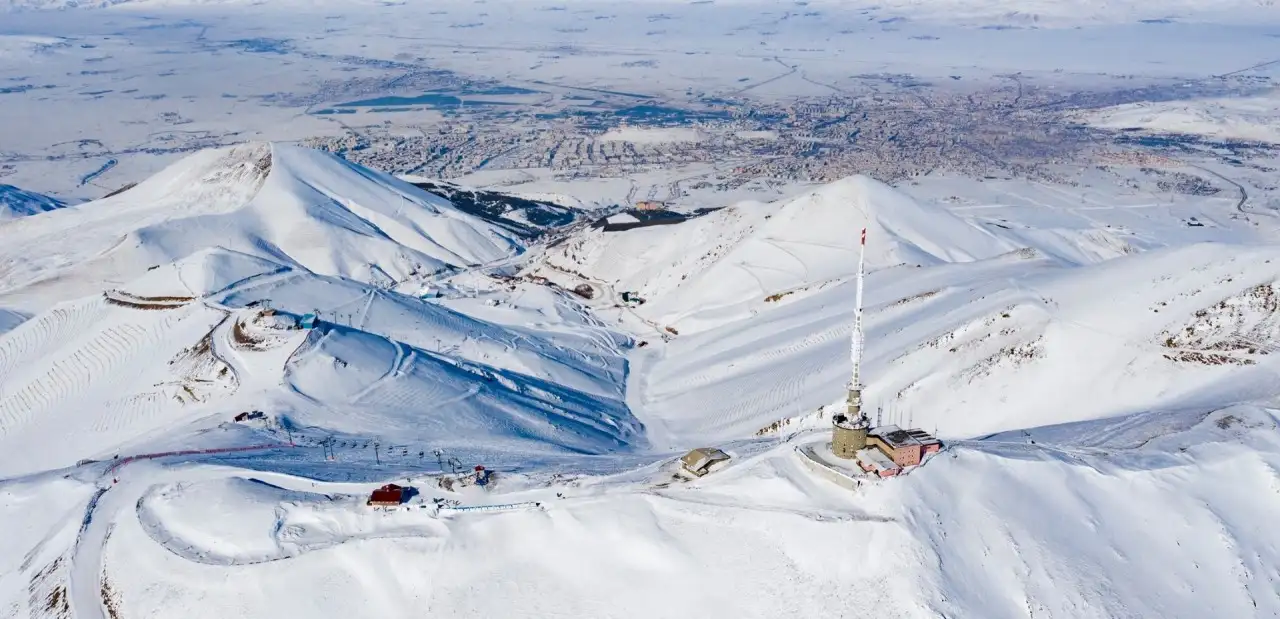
(389, 495)
(699, 462)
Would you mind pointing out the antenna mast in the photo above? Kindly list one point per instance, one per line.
(856, 343)
(850, 429)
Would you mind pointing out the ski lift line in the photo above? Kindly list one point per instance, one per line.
(332, 308)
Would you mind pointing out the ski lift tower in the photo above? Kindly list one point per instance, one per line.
(849, 429)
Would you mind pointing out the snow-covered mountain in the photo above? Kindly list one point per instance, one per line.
(202, 244)
(1096, 388)
(971, 330)
(298, 207)
(1242, 118)
(15, 203)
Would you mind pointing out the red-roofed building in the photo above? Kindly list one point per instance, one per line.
(389, 495)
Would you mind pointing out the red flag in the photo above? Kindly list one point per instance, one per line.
(864, 236)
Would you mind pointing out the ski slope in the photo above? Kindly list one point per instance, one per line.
(708, 271)
(197, 252)
(297, 207)
(1057, 521)
(1104, 379)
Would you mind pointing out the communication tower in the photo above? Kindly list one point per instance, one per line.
(849, 429)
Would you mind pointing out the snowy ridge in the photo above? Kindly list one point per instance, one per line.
(982, 347)
(294, 206)
(232, 231)
(15, 203)
(718, 267)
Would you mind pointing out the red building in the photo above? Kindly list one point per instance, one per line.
(389, 495)
(903, 447)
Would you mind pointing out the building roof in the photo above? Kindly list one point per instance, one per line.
(875, 460)
(895, 437)
(389, 493)
(623, 218)
(703, 457)
(843, 421)
(923, 437)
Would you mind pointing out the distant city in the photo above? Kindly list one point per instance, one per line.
(895, 130)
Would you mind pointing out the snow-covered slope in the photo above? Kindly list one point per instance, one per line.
(1157, 515)
(1251, 118)
(420, 397)
(295, 206)
(967, 349)
(971, 329)
(92, 363)
(186, 340)
(15, 203)
(721, 266)
(1106, 396)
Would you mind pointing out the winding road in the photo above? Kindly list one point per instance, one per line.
(1244, 194)
(84, 585)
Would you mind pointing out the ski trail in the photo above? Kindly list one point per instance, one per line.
(404, 356)
(222, 350)
(254, 281)
(84, 580)
(804, 267)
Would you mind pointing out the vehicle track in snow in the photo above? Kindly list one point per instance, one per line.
(114, 494)
(222, 351)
